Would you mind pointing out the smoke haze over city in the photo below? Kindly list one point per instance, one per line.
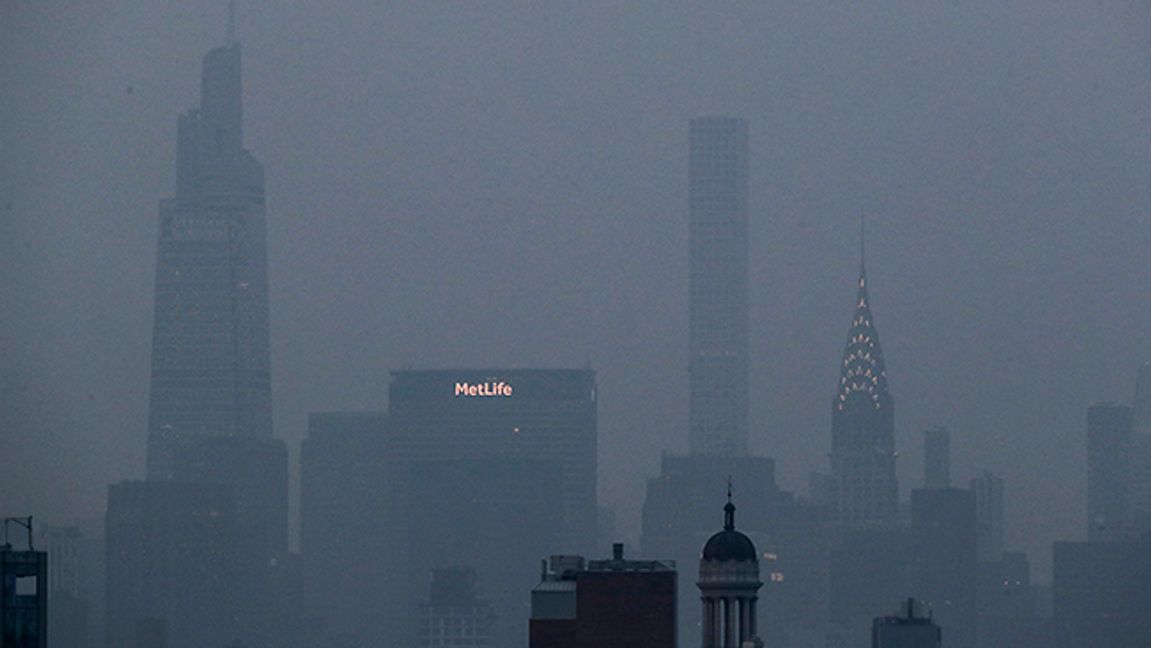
(502, 184)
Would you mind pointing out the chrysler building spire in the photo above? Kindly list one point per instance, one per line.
(863, 422)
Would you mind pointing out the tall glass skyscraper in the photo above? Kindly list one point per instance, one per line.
(717, 286)
(210, 356)
(210, 405)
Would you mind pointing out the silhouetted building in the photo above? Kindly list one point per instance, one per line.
(256, 472)
(937, 458)
(944, 563)
(486, 450)
(1139, 485)
(534, 414)
(679, 513)
(210, 355)
(210, 406)
(911, 629)
(795, 550)
(1101, 594)
(344, 526)
(23, 595)
(170, 553)
(1008, 604)
(868, 568)
(69, 573)
(1141, 410)
(615, 603)
(509, 508)
(1139, 488)
(453, 615)
(718, 286)
(1109, 452)
(989, 519)
(729, 586)
(864, 487)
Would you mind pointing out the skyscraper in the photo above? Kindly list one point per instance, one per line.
(945, 560)
(485, 450)
(210, 355)
(717, 294)
(1141, 412)
(989, 516)
(1100, 594)
(1108, 471)
(863, 478)
(676, 513)
(937, 458)
(210, 406)
(170, 556)
(343, 525)
(1140, 482)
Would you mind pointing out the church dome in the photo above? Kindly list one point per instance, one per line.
(729, 545)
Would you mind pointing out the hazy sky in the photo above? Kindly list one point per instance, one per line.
(504, 184)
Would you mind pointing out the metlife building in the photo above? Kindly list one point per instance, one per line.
(546, 415)
(491, 467)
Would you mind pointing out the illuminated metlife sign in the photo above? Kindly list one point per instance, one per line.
(483, 389)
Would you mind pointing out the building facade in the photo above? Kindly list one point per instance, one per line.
(210, 355)
(454, 616)
(990, 519)
(1109, 453)
(344, 516)
(615, 603)
(170, 556)
(911, 629)
(937, 458)
(23, 595)
(718, 286)
(510, 455)
(944, 567)
(1100, 594)
(544, 415)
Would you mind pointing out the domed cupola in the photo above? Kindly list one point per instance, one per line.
(729, 544)
(728, 586)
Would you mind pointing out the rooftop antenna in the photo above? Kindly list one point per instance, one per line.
(862, 239)
(231, 22)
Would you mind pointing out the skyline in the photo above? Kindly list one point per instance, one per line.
(797, 303)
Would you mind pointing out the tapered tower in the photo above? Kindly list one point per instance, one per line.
(210, 403)
(210, 354)
(864, 487)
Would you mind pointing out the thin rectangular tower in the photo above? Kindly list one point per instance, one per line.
(718, 286)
